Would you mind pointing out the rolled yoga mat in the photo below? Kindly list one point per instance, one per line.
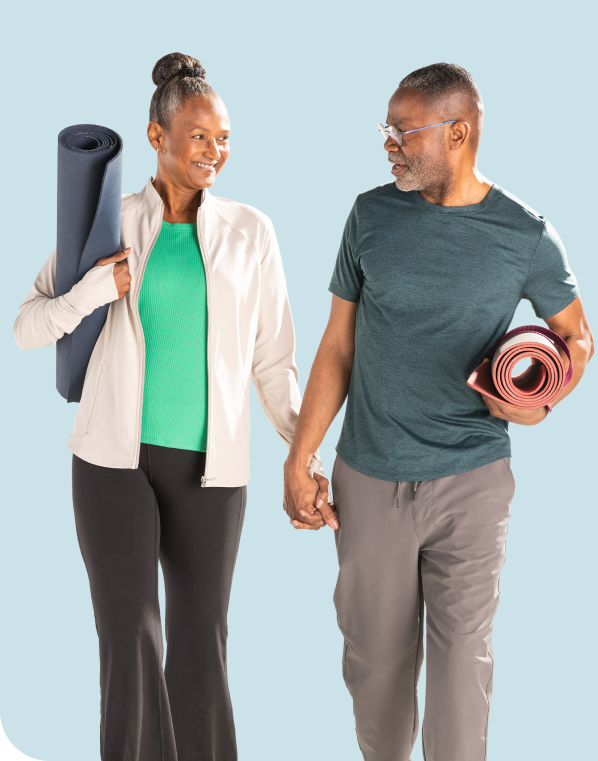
(538, 385)
(89, 198)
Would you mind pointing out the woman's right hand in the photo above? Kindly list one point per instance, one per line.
(122, 278)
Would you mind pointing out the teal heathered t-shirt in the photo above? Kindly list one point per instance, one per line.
(173, 309)
(436, 288)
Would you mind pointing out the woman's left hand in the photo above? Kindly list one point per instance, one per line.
(306, 499)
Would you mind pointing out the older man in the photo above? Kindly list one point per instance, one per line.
(429, 274)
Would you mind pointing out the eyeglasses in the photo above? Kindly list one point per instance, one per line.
(397, 135)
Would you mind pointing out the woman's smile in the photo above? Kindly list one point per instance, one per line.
(207, 168)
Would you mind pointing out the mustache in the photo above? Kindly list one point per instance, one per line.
(395, 157)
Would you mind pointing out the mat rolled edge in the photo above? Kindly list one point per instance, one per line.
(74, 351)
(543, 343)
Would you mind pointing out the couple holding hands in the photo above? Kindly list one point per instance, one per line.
(430, 271)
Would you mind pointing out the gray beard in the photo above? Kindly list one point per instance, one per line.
(422, 172)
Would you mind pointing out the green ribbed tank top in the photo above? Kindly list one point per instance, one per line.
(174, 314)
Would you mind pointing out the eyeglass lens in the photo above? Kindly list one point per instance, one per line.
(390, 132)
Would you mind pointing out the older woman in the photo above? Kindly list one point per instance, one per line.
(161, 439)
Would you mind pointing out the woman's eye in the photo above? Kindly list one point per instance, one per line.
(224, 138)
(199, 137)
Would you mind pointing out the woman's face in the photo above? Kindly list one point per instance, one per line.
(195, 148)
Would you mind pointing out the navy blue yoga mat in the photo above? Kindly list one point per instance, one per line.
(89, 196)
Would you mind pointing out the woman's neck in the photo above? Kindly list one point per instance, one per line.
(180, 204)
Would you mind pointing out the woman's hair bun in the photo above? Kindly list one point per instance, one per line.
(176, 65)
(177, 78)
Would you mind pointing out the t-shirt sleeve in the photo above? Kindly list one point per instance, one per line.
(550, 284)
(347, 278)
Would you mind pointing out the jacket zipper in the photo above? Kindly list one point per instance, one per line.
(145, 259)
(203, 251)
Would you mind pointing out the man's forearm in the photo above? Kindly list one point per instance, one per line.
(572, 325)
(581, 348)
(325, 394)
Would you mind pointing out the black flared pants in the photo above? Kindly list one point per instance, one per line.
(128, 520)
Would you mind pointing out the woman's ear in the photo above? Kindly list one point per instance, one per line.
(155, 135)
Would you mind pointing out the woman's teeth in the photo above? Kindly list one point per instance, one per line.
(203, 166)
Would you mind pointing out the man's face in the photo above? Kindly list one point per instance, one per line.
(423, 160)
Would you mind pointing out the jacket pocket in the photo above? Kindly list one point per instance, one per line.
(95, 395)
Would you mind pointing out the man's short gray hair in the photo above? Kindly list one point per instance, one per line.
(440, 79)
(178, 77)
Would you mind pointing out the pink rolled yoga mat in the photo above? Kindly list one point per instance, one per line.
(538, 385)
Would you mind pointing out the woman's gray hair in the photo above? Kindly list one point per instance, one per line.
(177, 78)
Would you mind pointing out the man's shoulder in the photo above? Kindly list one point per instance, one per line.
(515, 206)
(389, 189)
(380, 190)
(370, 199)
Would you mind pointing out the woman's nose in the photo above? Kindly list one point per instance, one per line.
(212, 149)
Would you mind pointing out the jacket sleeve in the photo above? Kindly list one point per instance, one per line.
(43, 319)
(275, 374)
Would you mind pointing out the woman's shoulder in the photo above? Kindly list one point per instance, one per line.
(241, 215)
(146, 197)
(129, 201)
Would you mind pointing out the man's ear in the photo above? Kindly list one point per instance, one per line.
(459, 135)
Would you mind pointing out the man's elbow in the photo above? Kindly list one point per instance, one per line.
(589, 341)
(344, 354)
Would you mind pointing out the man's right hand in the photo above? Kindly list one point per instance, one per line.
(306, 499)
(122, 278)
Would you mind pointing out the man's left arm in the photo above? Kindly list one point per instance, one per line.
(571, 324)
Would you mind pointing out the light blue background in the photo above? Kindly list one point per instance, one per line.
(306, 84)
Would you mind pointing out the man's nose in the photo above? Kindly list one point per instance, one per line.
(391, 145)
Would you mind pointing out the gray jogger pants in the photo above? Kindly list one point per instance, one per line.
(402, 545)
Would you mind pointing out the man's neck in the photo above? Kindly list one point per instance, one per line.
(460, 189)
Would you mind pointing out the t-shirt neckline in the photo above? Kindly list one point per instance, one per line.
(178, 225)
(438, 209)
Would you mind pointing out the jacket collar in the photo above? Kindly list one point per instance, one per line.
(154, 197)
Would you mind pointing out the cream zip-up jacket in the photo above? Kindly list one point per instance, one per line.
(250, 334)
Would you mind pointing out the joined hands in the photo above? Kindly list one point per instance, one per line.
(306, 498)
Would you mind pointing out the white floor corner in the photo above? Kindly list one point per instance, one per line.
(8, 752)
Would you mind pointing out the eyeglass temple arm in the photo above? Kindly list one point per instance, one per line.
(419, 129)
